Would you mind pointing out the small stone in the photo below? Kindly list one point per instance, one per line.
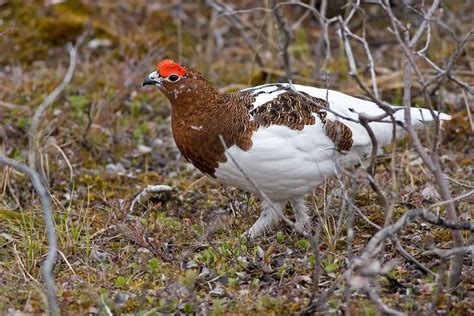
(242, 259)
(99, 43)
(157, 142)
(429, 192)
(191, 264)
(117, 168)
(204, 273)
(67, 196)
(143, 250)
(93, 310)
(217, 291)
(143, 150)
(121, 298)
(99, 255)
(416, 162)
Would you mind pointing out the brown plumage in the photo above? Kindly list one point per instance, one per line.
(291, 109)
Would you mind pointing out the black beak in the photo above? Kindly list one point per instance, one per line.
(148, 82)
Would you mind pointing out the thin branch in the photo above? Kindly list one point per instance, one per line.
(227, 12)
(406, 219)
(446, 73)
(43, 194)
(387, 310)
(441, 278)
(405, 254)
(446, 253)
(457, 198)
(344, 32)
(311, 308)
(287, 39)
(426, 20)
(33, 135)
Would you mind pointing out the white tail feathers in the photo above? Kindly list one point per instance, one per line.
(421, 117)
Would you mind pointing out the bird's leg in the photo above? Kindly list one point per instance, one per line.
(270, 215)
(301, 213)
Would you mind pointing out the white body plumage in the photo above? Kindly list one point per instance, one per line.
(286, 163)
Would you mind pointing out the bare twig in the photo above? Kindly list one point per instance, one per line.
(446, 253)
(350, 240)
(33, 135)
(323, 21)
(5, 31)
(287, 39)
(468, 111)
(317, 259)
(457, 198)
(381, 305)
(424, 24)
(405, 254)
(407, 218)
(313, 306)
(344, 31)
(49, 223)
(12, 106)
(447, 72)
(227, 12)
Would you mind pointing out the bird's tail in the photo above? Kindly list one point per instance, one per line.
(420, 117)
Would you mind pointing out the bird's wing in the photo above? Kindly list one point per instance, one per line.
(298, 107)
(287, 104)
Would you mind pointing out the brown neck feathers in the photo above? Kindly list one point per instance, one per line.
(202, 120)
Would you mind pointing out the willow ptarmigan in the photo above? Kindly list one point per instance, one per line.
(285, 138)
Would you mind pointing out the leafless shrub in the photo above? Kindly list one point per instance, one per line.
(407, 39)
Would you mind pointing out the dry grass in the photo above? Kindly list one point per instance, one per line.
(184, 253)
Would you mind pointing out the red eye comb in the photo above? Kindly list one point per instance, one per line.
(167, 67)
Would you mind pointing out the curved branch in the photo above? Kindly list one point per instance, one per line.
(43, 194)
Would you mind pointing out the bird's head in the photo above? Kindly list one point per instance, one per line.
(177, 82)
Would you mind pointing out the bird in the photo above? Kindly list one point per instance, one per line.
(278, 141)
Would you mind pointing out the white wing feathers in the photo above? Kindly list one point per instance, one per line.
(344, 106)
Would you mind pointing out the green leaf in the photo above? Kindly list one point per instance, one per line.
(188, 308)
(154, 263)
(78, 102)
(280, 237)
(303, 244)
(331, 267)
(120, 281)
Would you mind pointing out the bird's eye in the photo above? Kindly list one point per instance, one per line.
(173, 77)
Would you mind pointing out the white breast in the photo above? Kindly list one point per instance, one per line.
(284, 163)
